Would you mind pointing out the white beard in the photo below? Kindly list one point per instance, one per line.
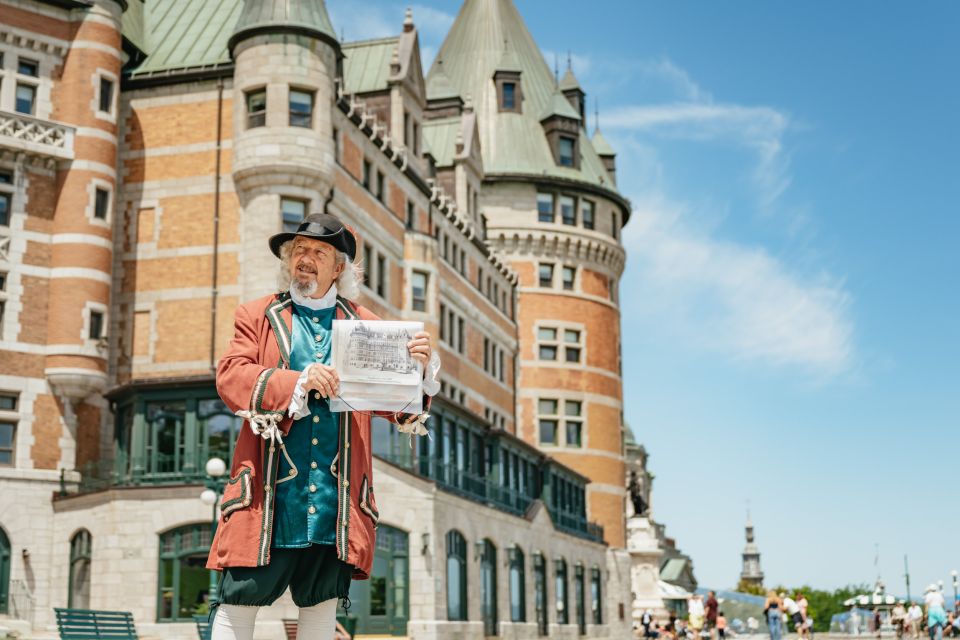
(304, 290)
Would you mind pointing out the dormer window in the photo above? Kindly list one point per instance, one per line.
(509, 92)
(566, 150)
(509, 96)
(561, 124)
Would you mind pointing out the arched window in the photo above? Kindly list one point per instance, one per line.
(184, 582)
(456, 576)
(540, 588)
(488, 588)
(596, 603)
(518, 586)
(560, 569)
(4, 570)
(579, 597)
(78, 590)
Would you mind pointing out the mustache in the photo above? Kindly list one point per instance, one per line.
(306, 266)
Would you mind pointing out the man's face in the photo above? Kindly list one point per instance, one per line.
(313, 266)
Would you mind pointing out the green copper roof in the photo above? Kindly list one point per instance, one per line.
(440, 139)
(366, 64)
(180, 34)
(560, 106)
(190, 34)
(131, 24)
(439, 87)
(486, 35)
(569, 81)
(601, 146)
(673, 569)
(302, 16)
(508, 61)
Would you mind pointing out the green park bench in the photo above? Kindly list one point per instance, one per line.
(87, 624)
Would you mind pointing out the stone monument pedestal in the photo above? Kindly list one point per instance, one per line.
(645, 557)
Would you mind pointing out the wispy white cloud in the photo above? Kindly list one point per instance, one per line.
(663, 72)
(731, 297)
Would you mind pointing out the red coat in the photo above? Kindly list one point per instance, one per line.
(254, 375)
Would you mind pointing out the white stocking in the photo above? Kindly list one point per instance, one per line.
(317, 622)
(234, 622)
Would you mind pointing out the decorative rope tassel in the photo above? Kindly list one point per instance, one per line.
(415, 427)
(265, 425)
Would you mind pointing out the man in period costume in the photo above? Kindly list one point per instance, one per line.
(299, 510)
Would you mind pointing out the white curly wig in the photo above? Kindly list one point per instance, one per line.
(348, 282)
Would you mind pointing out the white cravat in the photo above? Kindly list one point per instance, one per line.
(316, 304)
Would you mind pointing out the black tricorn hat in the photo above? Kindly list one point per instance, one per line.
(321, 226)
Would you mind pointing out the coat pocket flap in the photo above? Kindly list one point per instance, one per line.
(237, 493)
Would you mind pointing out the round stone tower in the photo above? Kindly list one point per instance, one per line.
(81, 251)
(552, 208)
(287, 59)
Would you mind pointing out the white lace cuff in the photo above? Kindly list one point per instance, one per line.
(299, 407)
(431, 385)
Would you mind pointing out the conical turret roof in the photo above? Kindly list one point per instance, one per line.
(601, 145)
(308, 17)
(489, 36)
(569, 81)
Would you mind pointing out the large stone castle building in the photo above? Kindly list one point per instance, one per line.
(147, 150)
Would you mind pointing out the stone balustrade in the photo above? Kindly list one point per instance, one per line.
(34, 137)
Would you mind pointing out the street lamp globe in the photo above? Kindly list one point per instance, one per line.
(216, 467)
(208, 497)
(954, 574)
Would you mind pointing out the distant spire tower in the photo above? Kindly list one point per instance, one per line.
(751, 573)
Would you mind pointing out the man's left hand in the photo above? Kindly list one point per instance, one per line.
(420, 348)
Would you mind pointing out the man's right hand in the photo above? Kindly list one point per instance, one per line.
(323, 379)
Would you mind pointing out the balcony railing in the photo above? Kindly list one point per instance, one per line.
(36, 137)
(487, 491)
(124, 471)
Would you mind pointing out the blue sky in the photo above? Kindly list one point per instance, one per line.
(790, 302)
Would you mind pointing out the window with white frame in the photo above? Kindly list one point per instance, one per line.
(569, 278)
(8, 427)
(381, 275)
(419, 291)
(548, 419)
(6, 197)
(292, 211)
(546, 274)
(256, 108)
(556, 418)
(106, 95)
(587, 213)
(101, 203)
(26, 98)
(572, 345)
(573, 422)
(568, 210)
(545, 207)
(559, 343)
(547, 343)
(95, 329)
(3, 299)
(301, 108)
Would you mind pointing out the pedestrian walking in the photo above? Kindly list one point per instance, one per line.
(914, 620)
(772, 610)
(712, 607)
